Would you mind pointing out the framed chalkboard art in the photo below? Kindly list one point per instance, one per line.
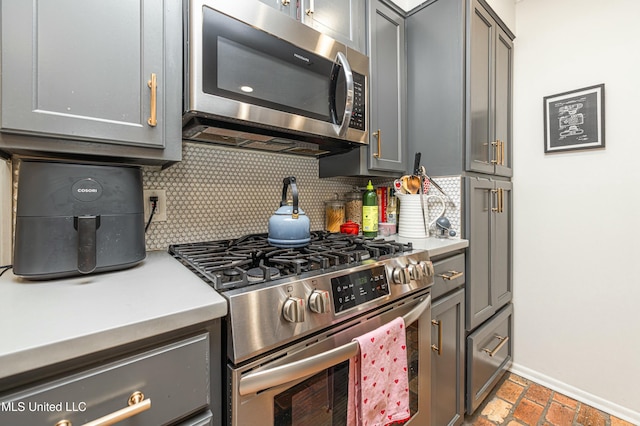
(574, 120)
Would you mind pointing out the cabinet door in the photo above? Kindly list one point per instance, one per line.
(80, 70)
(285, 6)
(447, 360)
(388, 90)
(478, 228)
(503, 102)
(481, 101)
(342, 20)
(501, 247)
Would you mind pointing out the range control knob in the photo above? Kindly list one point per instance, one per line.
(319, 302)
(427, 267)
(293, 309)
(416, 272)
(401, 275)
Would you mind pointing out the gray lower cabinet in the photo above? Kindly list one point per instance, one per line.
(488, 227)
(386, 153)
(489, 355)
(460, 71)
(166, 385)
(95, 78)
(447, 360)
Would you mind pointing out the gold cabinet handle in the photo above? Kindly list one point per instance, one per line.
(494, 197)
(503, 341)
(137, 404)
(502, 153)
(153, 85)
(64, 423)
(495, 144)
(438, 348)
(378, 135)
(454, 275)
(500, 200)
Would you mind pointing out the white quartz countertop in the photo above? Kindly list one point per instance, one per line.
(46, 322)
(434, 246)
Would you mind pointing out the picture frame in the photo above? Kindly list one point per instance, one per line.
(574, 120)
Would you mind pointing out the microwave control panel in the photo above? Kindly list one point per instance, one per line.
(357, 115)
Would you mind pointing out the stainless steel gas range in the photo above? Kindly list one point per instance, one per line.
(293, 314)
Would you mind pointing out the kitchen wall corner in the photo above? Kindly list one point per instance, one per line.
(6, 206)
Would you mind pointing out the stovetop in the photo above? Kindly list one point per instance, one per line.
(236, 263)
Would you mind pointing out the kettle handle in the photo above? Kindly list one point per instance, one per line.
(290, 181)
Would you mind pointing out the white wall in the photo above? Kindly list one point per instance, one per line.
(576, 232)
(5, 212)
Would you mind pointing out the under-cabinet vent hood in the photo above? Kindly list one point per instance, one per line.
(250, 137)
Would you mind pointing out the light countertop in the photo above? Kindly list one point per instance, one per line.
(434, 246)
(46, 322)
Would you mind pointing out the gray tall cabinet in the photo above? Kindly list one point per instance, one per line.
(386, 153)
(460, 75)
(92, 78)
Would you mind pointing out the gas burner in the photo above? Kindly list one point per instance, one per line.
(262, 273)
(229, 264)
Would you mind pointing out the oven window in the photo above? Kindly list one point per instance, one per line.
(321, 400)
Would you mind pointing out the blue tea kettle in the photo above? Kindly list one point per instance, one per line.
(289, 226)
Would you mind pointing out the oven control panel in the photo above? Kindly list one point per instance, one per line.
(359, 287)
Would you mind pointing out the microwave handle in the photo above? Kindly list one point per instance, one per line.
(261, 380)
(341, 59)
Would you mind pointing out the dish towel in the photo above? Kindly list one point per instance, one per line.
(378, 378)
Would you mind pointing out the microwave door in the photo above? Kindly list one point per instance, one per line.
(341, 94)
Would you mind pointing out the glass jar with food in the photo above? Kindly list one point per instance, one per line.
(353, 207)
(334, 215)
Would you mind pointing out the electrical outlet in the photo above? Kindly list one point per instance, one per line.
(160, 215)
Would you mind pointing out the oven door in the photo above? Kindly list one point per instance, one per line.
(243, 68)
(306, 384)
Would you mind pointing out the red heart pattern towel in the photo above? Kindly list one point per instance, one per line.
(378, 378)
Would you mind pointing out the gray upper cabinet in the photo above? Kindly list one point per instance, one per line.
(488, 225)
(339, 19)
(285, 6)
(460, 70)
(386, 153)
(102, 72)
(490, 62)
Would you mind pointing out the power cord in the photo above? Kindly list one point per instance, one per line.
(154, 204)
(5, 268)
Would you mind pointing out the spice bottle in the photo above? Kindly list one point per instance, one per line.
(370, 212)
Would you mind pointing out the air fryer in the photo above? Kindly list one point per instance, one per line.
(75, 219)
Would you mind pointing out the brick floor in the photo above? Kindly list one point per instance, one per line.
(516, 401)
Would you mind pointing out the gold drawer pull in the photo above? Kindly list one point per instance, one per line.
(503, 341)
(438, 348)
(137, 404)
(454, 275)
(153, 85)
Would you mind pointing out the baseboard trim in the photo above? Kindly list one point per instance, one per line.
(578, 394)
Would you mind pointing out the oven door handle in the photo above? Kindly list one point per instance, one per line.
(265, 379)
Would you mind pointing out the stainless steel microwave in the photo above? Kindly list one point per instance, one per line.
(257, 78)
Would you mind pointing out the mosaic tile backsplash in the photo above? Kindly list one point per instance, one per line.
(217, 193)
